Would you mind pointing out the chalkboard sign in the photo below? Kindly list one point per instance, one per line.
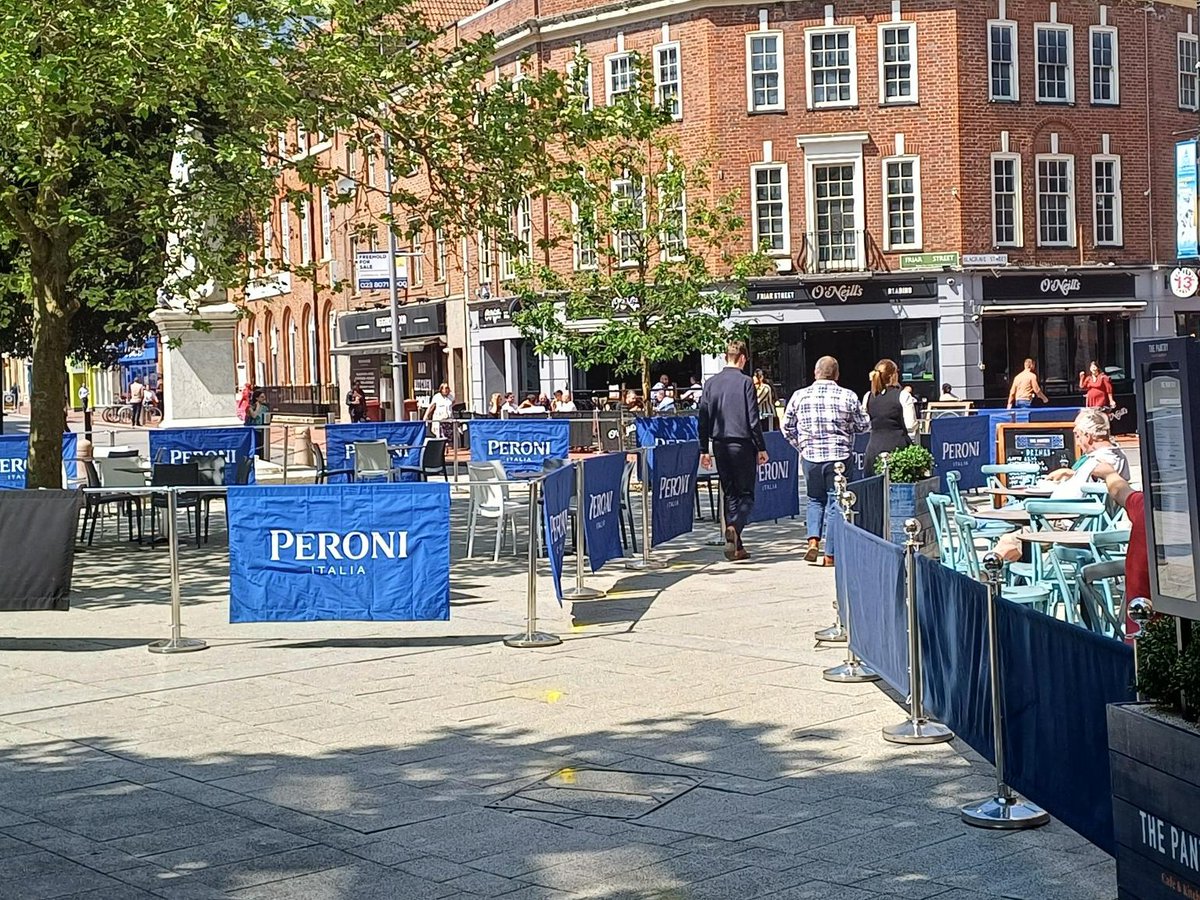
(1049, 444)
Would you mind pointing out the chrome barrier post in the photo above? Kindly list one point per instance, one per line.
(531, 636)
(853, 670)
(835, 633)
(287, 431)
(177, 643)
(917, 728)
(1141, 610)
(1006, 810)
(887, 497)
(580, 591)
(645, 564)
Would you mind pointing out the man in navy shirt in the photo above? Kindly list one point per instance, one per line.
(731, 431)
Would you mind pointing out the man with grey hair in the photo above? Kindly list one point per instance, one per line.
(821, 421)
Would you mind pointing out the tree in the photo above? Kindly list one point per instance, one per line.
(653, 271)
(104, 104)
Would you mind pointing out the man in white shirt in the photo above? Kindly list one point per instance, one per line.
(566, 404)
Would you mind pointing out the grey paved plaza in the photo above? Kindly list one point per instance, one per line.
(680, 743)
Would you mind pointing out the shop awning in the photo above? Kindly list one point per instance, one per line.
(1078, 307)
(373, 347)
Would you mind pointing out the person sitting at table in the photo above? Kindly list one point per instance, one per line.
(1093, 439)
(633, 402)
(494, 404)
(510, 404)
(566, 404)
(529, 402)
(667, 403)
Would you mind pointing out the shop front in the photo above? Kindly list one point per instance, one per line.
(1063, 322)
(502, 360)
(794, 321)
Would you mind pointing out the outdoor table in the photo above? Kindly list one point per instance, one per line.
(1015, 514)
(1040, 493)
(1069, 538)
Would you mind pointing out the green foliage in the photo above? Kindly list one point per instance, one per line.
(1164, 673)
(907, 465)
(655, 276)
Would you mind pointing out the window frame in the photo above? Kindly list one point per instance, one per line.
(1116, 65)
(483, 252)
(632, 197)
(440, 255)
(305, 221)
(1014, 63)
(609, 60)
(1118, 202)
(852, 47)
(1018, 197)
(1072, 198)
(285, 234)
(755, 232)
(1069, 30)
(326, 226)
(578, 248)
(914, 95)
(586, 81)
(667, 46)
(918, 233)
(1182, 38)
(813, 162)
(665, 245)
(780, 71)
(416, 253)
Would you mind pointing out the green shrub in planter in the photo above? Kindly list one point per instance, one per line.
(908, 465)
(1164, 672)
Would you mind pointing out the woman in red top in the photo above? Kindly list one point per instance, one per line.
(1097, 386)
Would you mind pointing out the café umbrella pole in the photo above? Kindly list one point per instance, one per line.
(531, 637)
(853, 670)
(645, 564)
(917, 728)
(1005, 810)
(580, 591)
(177, 642)
(835, 633)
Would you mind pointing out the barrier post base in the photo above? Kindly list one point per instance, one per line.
(851, 673)
(177, 645)
(646, 565)
(1009, 813)
(834, 634)
(583, 593)
(918, 731)
(534, 639)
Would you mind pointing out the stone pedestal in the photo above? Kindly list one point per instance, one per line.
(199, 373)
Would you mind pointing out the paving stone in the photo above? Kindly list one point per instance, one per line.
(362, 881)
(48, 876)
(722, 815)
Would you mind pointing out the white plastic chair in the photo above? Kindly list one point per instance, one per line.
(490, 500)
(372, 459)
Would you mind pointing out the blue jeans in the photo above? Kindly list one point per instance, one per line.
(1022, 404)
(822, 502)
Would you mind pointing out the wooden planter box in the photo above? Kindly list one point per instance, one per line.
(1156, 803)
(907, 501)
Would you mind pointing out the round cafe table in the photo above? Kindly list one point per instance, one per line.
(1070, 538)
(1014, 514)
(1032, 491)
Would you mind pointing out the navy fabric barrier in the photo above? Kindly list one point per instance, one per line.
(14, 458)
(1056, 680)
(602, 507)
(339, 552)
(874, 583)
(338, 438)
(557, 488)
(869, 504)
(521, 445)
(856, 470)
(1054, 414)
(961, 444)
(673, 484)
(777, 490)
(952, 611)
(179, 445)
(655, 430)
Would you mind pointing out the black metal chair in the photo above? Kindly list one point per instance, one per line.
(433, 460)
(176, 475)
(323, 474)
(94, 504)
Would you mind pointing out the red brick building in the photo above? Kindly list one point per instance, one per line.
(955, 185)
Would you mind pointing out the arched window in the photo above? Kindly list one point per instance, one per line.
(290, 360)
(309, 334)
(330, 340)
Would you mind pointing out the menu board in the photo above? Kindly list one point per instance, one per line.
(1049, 444)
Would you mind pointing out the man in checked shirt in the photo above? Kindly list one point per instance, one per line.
(821, 421)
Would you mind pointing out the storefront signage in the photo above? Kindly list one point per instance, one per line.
(373, 325)
(372, 273)
(929, 260)
(985, 259)
(1057, 287)
(1184, 282)
(1187, 201)
(789, 291)
(495, 313)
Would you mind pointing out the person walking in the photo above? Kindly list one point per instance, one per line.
(730, 431)
(892, 411)
(356, 402)
(441, 411)
(258, 417)
(137, 392)
(1025, 387)
(821, 421)
(765, 396)
(1096, 386)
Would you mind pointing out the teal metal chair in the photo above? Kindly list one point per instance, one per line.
(940, 507)
(1028, 471)
(984, 529)
(1037, 596)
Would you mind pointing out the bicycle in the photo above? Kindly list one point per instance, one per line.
(123, 415)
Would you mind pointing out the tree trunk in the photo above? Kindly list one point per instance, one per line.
(51, 337)
(646, 385)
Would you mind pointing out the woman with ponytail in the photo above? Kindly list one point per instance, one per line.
(892, 411)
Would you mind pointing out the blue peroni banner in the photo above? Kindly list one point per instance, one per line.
(602, 507)
(339, 438)
(521, 445)
(557, 488)
(961, 444)
(858, 458)
(339, 552)
(14, 458)
(777, 490)
(655, 430)
(673, 486)
(180, 445)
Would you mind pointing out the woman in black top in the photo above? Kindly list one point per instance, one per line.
(892, 412)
